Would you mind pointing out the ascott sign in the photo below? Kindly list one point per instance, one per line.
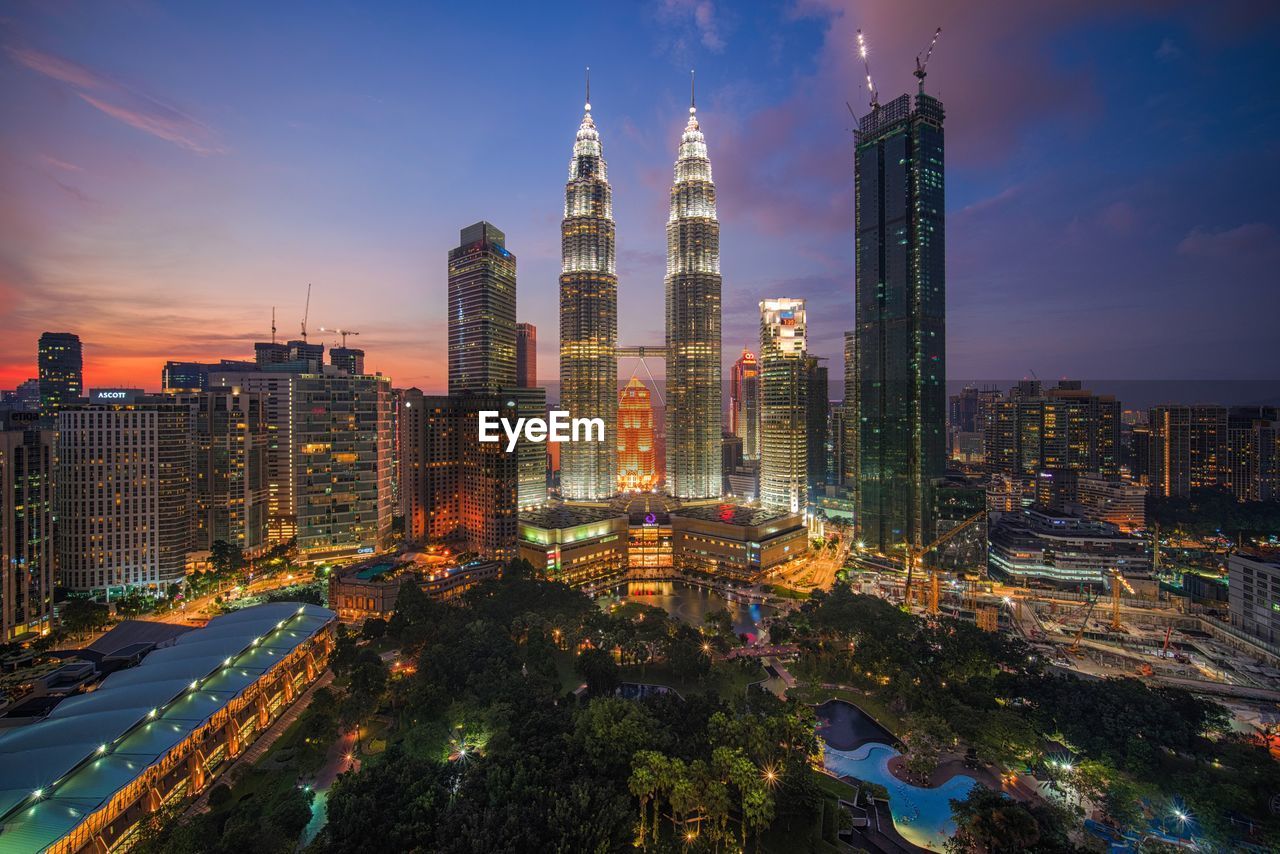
(558, 428)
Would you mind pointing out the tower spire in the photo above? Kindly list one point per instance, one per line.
(693, 101)
(587, 106)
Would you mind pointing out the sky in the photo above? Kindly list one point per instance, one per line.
(170, 172)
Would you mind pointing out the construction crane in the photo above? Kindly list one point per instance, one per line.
(1118, 583)
(1075, 642)
(343, 332)
(866, 66)
(921, 66)
(306, 311)
(913, 554)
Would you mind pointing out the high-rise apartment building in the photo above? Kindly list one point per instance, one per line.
(1033, 430)
(482, 311)
(693, 389)
(125, 487)
(817, 414)
(27, 547)
(278, 391)
(526, 355)
(455, 489)
(231, 478)
(194, 376)
(342, 437)
(784, 466)
(1253, 453)
(61, 367)
(901, 318)
(744, 403)
(637, 460)
(1188, 448)
(589, 318)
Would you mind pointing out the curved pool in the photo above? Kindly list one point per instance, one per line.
(922, 816)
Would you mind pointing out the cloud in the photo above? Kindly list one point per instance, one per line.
(121, 102)
(1168, 50)
(700, 17)
(1244, 241)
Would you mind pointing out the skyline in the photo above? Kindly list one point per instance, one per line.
(175, 201)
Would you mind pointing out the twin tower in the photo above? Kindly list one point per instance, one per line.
(589, 321)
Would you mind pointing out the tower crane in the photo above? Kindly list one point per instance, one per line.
(914, 554)
(1118, 582)
(1075, 642)
(343, 332)
(866, 66)
(921, 66)
(306, 311)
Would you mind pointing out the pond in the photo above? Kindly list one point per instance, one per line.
(858, 746)
(691, 603)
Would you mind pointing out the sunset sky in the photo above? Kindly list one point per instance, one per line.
(169, 172)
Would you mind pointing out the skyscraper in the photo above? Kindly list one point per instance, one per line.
(26, 526)
(848, 474)
(1188, 448)
(526, 355)
(61, 364)
(349, 359)
(901, 312)
(744, 403)
(783, 413)
(637, 463)
(1066, 428)
(816, 407)
(693, 395)
(589, 318)
(482, 311)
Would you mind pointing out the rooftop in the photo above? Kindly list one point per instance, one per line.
(55, 773)
(565, 516)
(732, 514)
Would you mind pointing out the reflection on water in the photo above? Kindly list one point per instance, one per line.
(691, 604)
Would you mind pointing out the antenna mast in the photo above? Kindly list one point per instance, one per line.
(273, 324)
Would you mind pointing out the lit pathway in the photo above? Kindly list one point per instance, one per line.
(263, 742)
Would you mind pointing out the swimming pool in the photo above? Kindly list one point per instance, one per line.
(370, 572)
(922, 816)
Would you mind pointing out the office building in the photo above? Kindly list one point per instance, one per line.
(1188, 449)
(589, 318)
(24, 398)
(342, 434)
(852, 431)
(1253, 592)
(1122, 503)
(27, 546)
(817, 414)
(744, 403)
(482, 312)
(693, 389)
(735, 543)
(231, 476)
(637, 460)
(526, 355)
(125, 489)
(61, 366)
(298, 356)
(456, 490)
(89, 775)
(194, 376)
(967, 416)
(901, 318)
(348, 359)
(784, 466)
(531, 457)
(576, 545)
(1036, 546)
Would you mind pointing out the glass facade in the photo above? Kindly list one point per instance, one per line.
(637, 462)
(901, 311)
(693, 388)
(482, 312)
(744, 404)
(61, 365)
(784, 447)
(589, 319)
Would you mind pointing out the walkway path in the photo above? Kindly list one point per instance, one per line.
(264, 741)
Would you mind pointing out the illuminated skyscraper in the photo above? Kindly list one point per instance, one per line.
(693, 396)
(61, 372)
(589, 318)
(482, 312)
(783, 414)
(744, 403)
(637, 463)
(901, 311)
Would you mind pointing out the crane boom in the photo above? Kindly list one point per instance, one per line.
(306, 311)
(866, 67)
(912, 554)
(928, 52)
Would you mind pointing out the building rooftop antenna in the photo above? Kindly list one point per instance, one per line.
(866, 66)
(928, 52)
(693, 99)
(273, 324)
(587, 105)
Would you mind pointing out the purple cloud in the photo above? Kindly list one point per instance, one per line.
(1248, 240)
